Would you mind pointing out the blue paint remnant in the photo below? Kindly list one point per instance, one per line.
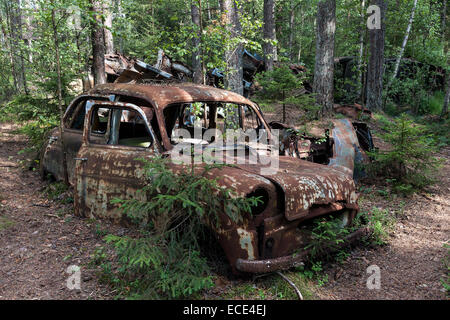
(346, 150)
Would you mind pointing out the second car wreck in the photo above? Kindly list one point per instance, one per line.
(107, 129)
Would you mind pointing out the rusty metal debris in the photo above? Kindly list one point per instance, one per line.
(113, 125)
(122, 69)
(354, 111)
(294, 260)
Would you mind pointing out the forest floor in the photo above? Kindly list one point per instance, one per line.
(40, 238)
(412, 262)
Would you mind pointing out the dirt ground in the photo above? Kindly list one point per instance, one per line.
(40, 239)
(411, 264)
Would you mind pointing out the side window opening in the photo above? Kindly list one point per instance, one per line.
(251, 120)
(123, 127)
(76, 118)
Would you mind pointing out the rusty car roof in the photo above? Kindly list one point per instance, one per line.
(166, 94)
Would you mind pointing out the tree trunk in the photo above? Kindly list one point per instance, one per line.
(234, 50)
(109, 41)
(60, 99)
(444, 20)
(361, 47)
(98, 45)
(5, 43)
(28, 37)
(196, 44)
(118, 5)
(269, 49)
(15, 35)
(405, 41)
(324, 66)
(447, 98)
(376, 61)
(302, 21)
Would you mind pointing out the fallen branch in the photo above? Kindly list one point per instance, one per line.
(40, 205)
(52, 215)
(292, 284)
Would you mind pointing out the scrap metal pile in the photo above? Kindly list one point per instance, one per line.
(121, 69)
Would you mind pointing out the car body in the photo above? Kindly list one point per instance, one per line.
(101, 158)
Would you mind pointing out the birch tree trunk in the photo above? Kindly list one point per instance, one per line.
(269, 49)
(28, 37)
(361, 47)
(196, 44)
(376, 61)
(324, 66)
(234, 50)
(109, 41)
(405, 41)
(98, 45)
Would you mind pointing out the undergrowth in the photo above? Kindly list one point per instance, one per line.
(409, 165)
(164, 260)
(37, 117)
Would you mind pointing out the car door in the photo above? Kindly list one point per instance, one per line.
(73, 131)
(107, 164)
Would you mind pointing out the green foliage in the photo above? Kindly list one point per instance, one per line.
(439, 130)
(278, 83)
(414, 94)
(432, 103)
(446, 281)
(37, 116)
(314, 272)
(380, 223)
(271, 287)
(326, 235)
(5, 223)
(326, 231)
(410, 162)
(165, 260)
(56, 191)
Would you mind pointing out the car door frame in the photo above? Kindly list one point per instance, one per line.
(86, 181)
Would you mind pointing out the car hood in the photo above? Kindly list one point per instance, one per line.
(306, 184)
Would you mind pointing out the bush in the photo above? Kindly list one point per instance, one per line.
(38, 116)
(379, 221)
(410, 164)
(278, 83)
(26, 107)
(164, 261)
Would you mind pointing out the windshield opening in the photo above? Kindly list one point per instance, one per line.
(195, 122)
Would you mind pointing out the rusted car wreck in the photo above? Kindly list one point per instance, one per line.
(111, 126)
